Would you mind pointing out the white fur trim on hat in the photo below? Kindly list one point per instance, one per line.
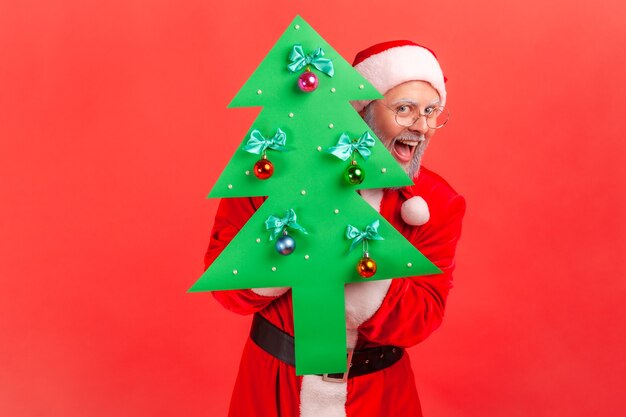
(400, 64)
(415, 211)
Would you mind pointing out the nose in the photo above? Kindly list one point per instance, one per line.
(420, 125)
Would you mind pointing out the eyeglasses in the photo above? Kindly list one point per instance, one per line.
(407, 114)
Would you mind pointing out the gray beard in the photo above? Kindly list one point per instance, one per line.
(411, 167)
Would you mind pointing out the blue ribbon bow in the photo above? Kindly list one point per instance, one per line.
(258, 144)
(345, 146)
(300, 60)
(370, 233)
(277, 225)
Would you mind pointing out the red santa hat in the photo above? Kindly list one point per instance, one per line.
(389, 64)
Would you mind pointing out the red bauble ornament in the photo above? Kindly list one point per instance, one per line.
(263, 169)
(366, 266)
(307, 82)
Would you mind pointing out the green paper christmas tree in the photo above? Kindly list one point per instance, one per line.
(298, 130)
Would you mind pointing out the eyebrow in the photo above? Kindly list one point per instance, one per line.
(413, 102)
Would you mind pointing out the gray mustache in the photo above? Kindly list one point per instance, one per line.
(409, 136)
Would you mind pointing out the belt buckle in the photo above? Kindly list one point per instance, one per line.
(327, 378)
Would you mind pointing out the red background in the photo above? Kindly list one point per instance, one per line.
(113, 127)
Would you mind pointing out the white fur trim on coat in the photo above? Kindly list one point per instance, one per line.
(319, 398)
(398, 65)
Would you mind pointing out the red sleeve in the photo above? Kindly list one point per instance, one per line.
(232, 214)
(413, 307)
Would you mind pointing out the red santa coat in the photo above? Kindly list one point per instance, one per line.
(402, 312)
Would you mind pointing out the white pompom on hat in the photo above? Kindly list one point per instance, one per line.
(414, 211)
(389, 64)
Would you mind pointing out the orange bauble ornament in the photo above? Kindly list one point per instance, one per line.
(366, 266)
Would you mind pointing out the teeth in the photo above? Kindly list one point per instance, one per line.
(410, 142)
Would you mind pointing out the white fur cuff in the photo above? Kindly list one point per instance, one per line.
(270, 292)
(363, 299)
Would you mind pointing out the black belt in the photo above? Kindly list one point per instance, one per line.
(281, 345)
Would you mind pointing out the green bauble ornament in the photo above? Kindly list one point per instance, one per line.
(354, 174)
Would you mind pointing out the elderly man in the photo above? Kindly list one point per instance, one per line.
(382, 317)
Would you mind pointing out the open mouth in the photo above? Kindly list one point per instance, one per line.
(404, 149)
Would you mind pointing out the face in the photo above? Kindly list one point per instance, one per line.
(406, 144)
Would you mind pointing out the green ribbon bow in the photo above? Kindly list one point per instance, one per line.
(370, 233)
(258, 144)
(277, 225)
(300, 60)
(345, 146)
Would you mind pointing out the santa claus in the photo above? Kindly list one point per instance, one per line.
(382, 317)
